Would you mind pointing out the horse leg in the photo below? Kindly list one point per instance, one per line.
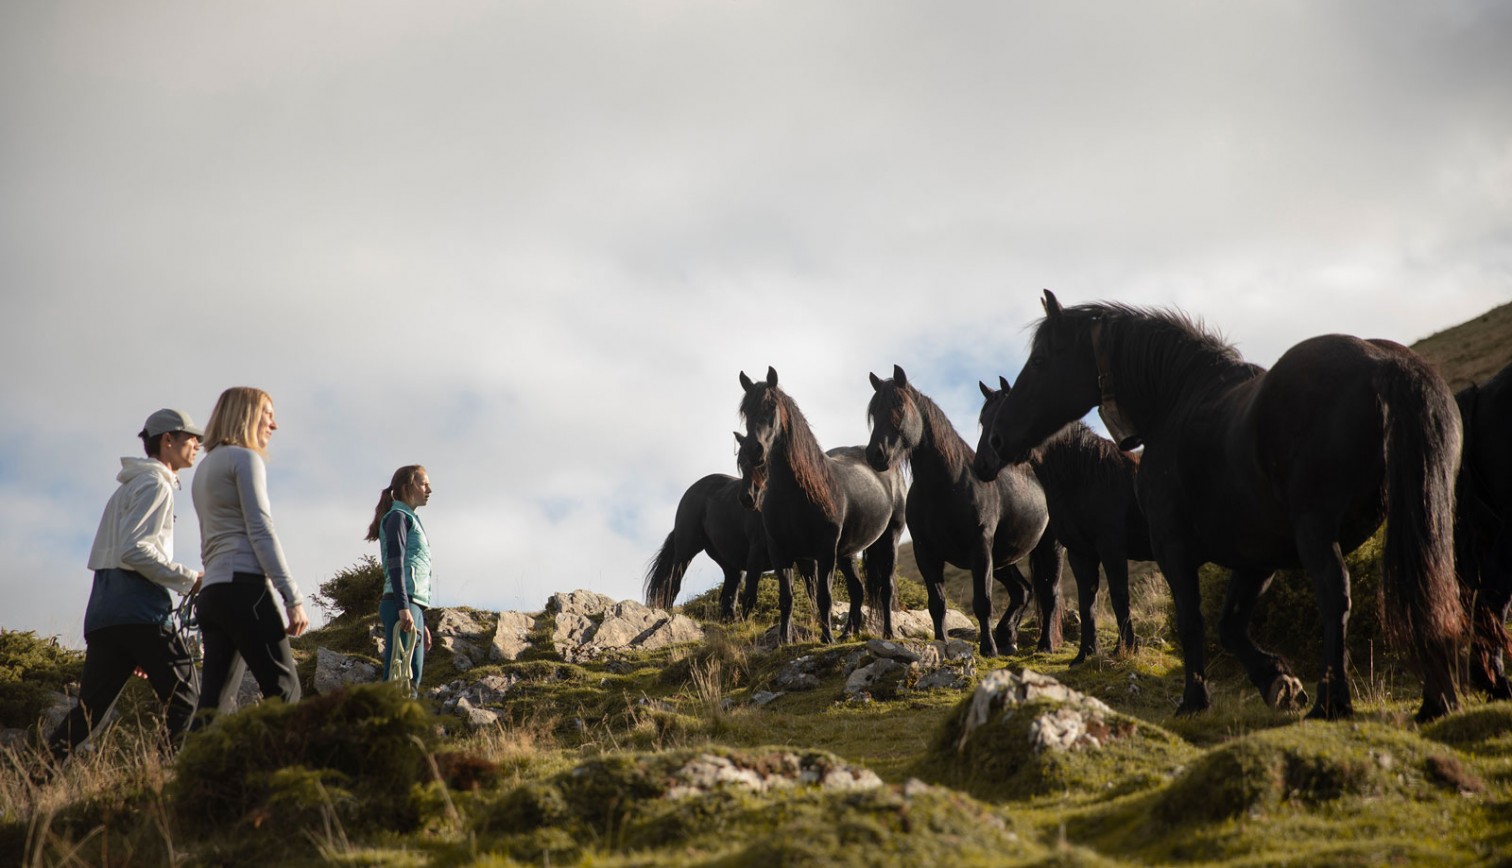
(1084, 568)
(824, 573)
(1318, 548)
(1488, 648)
(981, 596)
(785, 604)
(1116, 567)
(727, 593)
(1186, 596)
(880, 561)
(932, 571)
(1005, 634)
(1045, 568)
(856, 590)
(1269, 672)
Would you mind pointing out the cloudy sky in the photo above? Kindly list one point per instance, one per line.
(532, 245)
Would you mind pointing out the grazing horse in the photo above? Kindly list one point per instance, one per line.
(1483, 525)
(820, 507)
(1094, 514)
(958, 519)
(1256, 470)
(710, 518)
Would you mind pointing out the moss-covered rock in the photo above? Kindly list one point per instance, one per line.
(32, 671)
(1308, 764)
(293, 763)
(1022, 736)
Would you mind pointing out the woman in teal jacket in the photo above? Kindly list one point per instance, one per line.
(405, 552)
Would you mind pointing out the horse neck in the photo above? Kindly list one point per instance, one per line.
(941, 453)
(1173, 371)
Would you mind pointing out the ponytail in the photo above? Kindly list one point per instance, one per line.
(404, 477)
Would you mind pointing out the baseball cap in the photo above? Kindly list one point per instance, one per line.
(167, 421)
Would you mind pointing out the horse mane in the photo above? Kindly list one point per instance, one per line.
(806, 459)
(1172, 346)
(1076, 454)
(953, 450)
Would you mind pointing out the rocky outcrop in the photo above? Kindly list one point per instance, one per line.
(334, 669)
(1076, 721)
(707, 772)
(883, 669)
(590, 626)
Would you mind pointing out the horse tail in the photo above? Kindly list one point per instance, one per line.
(664, 575)
(1423, 440)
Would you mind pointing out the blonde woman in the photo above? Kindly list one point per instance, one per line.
(406, 568)
(244, 563)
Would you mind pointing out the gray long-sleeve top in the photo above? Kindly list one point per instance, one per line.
(236, 524)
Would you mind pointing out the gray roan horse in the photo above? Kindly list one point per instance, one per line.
(1094, 513)
(958, 519)
(819, 507)
(1256, 470)
(711, 518)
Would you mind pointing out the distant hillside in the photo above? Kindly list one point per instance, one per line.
(1473, 351)
(1467, 353)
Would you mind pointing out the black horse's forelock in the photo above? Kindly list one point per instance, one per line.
(938, 429)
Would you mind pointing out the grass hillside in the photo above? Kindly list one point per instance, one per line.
(733, 751)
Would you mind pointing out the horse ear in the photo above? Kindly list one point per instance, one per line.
(1052, 305)
(739, 437)
(1004, 381)
(986, 389)
(876, 383)
(771, 376)
(745, 382)
(898, 376)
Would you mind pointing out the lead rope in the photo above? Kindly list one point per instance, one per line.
(401, 660)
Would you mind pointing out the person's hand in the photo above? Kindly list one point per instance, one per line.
(298, 621)
(406, 621)
(427, 639)
(199, 579)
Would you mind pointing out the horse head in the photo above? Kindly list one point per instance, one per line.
(752, 474)
(1057, 385)
(897, 426)
(987, 466)
(762, 412)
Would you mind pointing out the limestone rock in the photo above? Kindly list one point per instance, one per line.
(512, 635)
(334, 670)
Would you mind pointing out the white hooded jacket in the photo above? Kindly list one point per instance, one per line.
(136, 531)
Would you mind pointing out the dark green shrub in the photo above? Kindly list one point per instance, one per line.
(353, 592)
(287, 763)
(31, 670)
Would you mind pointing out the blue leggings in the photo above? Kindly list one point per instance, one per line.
(388, 614)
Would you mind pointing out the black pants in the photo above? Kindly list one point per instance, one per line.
(112, 654)
(241, 619)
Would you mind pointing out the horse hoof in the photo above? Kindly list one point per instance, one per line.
(1186, 709)
(1335, 712)
(1286, 693)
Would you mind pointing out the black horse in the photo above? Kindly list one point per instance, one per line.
(1256, 470)
(820, 507)
(1483, 525)
(1094, 514)
(711, 518)
(956, 518)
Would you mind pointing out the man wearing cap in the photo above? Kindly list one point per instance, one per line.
(126, 624)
